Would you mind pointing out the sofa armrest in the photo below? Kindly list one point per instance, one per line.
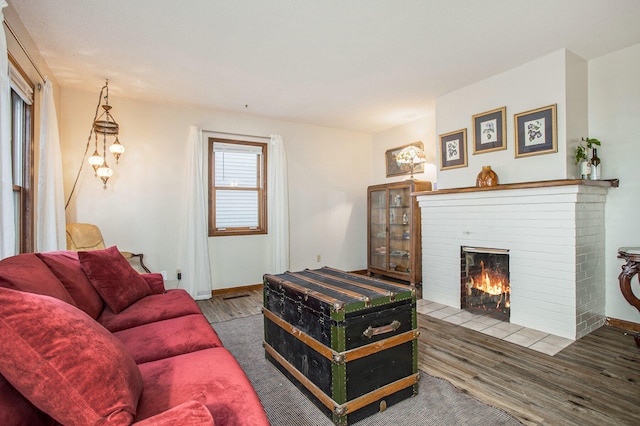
(155, 281)
(192, 413)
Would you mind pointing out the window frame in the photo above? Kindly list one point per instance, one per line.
(24, 193)
(261, 189)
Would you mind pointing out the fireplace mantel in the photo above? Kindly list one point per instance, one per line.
(524, 185)
(554, 231)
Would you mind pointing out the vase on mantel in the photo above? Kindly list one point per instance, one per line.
(486, 177)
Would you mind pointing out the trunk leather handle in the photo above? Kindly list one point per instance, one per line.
(375, 331)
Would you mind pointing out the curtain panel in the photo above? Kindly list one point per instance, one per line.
(7, 212)
(278, 200)
(50, 222)
(194, 245)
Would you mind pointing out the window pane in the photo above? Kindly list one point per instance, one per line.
(17, 202)
(237, 187)
(18, 137)
(236, 169)
(236, 209)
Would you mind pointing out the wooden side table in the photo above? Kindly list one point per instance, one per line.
(629, 270)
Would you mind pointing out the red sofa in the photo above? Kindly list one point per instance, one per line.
(84, 339)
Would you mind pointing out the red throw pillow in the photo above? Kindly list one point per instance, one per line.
(155, 282)
(66, 363)
(66, 266)
(113, 277)
(26, 272)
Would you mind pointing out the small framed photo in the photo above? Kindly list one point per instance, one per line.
(489, 131)
(395, 169)
(536, 131)
(453, 149)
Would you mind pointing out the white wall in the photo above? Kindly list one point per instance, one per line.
(533, 85)
(614, 111)
(422, 129)
(140, 209)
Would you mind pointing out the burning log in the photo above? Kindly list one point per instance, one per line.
(488, 290)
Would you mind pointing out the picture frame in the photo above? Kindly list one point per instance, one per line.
(536, 131)
(453, 149)
(489, 131)
(395, 169)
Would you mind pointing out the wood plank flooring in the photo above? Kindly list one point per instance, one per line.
(233, 305)
(594, 381)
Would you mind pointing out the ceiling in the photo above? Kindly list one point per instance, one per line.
(364, 65)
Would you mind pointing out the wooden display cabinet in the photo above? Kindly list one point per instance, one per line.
(393, 231)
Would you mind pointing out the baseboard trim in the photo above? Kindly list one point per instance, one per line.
(222, 291)
(625, 325)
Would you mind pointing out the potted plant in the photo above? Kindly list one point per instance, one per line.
(581, 155)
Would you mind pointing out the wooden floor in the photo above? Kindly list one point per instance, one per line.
(594, 381)
(233, 305)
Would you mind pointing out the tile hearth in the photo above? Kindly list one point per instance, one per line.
(522, 336)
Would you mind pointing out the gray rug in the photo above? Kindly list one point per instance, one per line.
(437, 403)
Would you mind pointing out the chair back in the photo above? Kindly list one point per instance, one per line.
(84, 236)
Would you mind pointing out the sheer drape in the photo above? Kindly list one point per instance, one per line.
(7, 213)
(278, 199)
(194, 245)
(50, 229)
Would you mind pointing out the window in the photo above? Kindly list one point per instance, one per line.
(237, 187)
(22, 157)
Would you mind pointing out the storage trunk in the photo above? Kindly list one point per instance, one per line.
(349, 342)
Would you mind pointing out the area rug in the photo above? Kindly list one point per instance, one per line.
(437, 403)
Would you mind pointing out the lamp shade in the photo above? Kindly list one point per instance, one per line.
(104, 172)
(411, 155)
(116, 149)
(96, 160)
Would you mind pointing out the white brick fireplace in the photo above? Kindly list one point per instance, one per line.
(554, 232)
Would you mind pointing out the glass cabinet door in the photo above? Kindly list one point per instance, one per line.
(399, 230)
(378, 229)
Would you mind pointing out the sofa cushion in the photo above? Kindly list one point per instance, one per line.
(64, 362)
(171, 337)
(155, 307)
(15, 409)
(66, 267)
(113, 277)
(192, 413)
(26, 272)
(228, 393)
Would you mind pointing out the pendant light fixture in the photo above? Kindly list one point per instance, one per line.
(103, 128)
(106, 126)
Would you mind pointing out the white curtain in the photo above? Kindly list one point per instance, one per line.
(278, 196)
(194, 245)
(7, 212)
(50, 228)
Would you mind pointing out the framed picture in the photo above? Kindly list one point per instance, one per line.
(489, 131)
(395, 169)
(536, 131)
(453, 149)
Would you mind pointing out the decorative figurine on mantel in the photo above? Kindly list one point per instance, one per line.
(486, 177)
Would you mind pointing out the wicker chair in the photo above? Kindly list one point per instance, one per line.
(84, 236)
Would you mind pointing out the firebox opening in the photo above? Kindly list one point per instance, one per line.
(485, 287)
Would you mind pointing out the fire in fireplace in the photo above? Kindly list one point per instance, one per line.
(485, 287)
